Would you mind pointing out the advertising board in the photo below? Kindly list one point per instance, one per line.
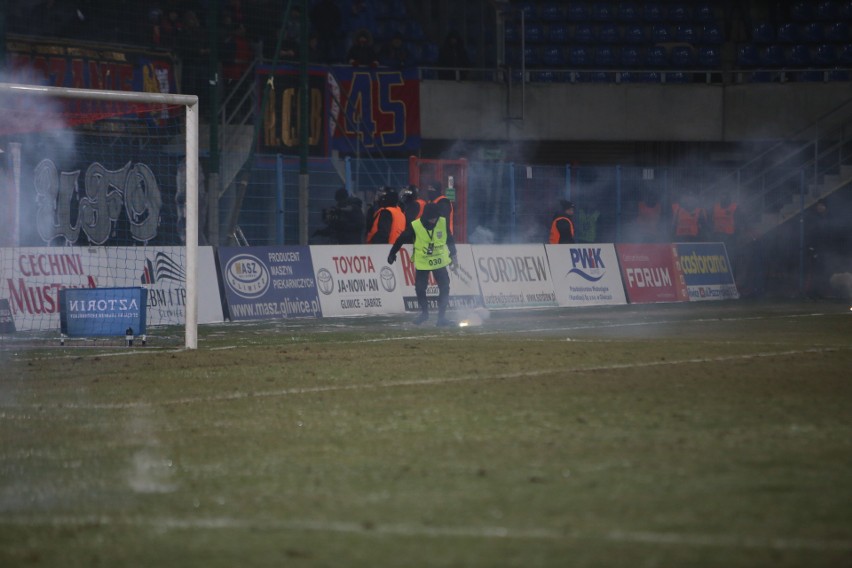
(269, 282)
(650, 273)
(514, 276)
(585, 275)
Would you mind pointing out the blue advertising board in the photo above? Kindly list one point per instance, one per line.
(269, 282)
(707, 271)
(88, 312)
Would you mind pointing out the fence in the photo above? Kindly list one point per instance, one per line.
(507, 202)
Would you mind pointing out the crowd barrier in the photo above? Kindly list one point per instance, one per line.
(274, 282)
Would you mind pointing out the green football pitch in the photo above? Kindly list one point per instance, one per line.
(713, 434)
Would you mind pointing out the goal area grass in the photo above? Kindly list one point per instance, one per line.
(697, 434)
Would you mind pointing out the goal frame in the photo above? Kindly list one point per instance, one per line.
(190, 105)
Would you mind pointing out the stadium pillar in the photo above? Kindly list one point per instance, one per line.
(213, 190)
(303, 126)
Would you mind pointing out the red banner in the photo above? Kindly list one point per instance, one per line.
(651, 273)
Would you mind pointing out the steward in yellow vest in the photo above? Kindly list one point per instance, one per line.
(434, 251)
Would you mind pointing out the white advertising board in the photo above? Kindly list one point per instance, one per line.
(514, 276)
(31, 277)
(585, 275)
(356, 280)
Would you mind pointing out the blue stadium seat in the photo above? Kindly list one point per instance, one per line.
(827, 11)
(812, 32)
(553, 56)
(430, 53)
(846, 10)
(533, 32)
(838, 75)
(557, 33)
(512, 34)
(685, 33)
(653, 12)
(631, 56)
(802, 11)
(601, 77)
(635, 33)
(709, 57)
(629, 12)
(660, 33)
(542, 77)
(584, 33)
(824, 55)
(844, 55)
(579, 56)
(763, 32)
(837, 32)
(678, 77)
(414, 31)
(712, 33)
(657, 57)
(748, 55)
(530, 10)
(705, 12)
(679, 12)
(609, 33)
(787, 32)
(552, 12)
(682, 57)
(605, 57)
(601, 11)
(800, 56)
(578, 12)
(531, 57)
(772, 56)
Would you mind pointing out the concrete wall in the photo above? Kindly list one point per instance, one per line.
(698, 113)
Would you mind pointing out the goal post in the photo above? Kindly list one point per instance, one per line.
(102, 112)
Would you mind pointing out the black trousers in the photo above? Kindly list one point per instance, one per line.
(421, 281)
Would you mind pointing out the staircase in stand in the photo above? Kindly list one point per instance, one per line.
(793, 174)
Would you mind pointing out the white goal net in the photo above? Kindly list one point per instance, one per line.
(99, 189)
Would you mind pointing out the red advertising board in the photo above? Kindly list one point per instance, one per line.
(651, 273)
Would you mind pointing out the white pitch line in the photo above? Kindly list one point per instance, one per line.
(412, 382)
(413, 530)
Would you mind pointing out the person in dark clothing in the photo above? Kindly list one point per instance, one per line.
(453, 53)
(412, 205)
(434, 251)
(435, 194)
(327, 20)
(395, 54)
(361, 52)
(345, 221)
(562, 225)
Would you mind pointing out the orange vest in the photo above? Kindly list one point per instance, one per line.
(397, 224)
(422, 204)
(450, 220)
(686, 223)
(554, 232)
(723, 218)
